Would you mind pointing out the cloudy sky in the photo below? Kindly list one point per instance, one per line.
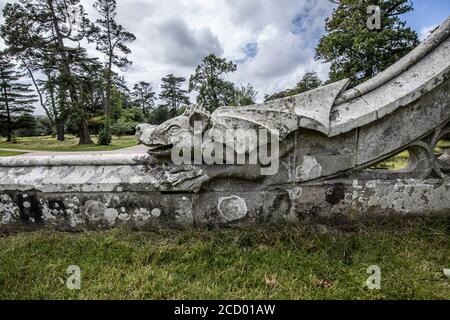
(271, 41)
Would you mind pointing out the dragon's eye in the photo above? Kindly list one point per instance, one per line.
(173, 129)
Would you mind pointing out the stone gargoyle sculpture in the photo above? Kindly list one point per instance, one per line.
(323, 134)
(231, 135)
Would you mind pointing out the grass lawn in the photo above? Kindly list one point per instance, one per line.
(290, 262)
(397, 162)
(48, 143)
(400, 161)
(9, 153)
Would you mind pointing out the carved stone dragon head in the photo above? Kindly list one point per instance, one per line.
(178, 131)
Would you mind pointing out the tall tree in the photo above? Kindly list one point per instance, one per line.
(111, 39)
(308, 82)
(245, 95)
(172, 95)
(16, 98)
(213, 91)
(355, 51)
(49, 27)
(144, 96)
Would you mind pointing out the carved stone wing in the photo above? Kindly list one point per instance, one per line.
(310, 110)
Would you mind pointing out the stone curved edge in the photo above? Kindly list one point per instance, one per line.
(433, 41)
(421, 78)
(77, 160)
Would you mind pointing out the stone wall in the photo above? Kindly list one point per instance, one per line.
(336, 202)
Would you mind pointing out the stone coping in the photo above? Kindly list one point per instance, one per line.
(409, 86)
(78, 160)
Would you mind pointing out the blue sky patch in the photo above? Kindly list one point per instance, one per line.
(251, 49)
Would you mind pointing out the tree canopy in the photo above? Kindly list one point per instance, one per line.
(172, 95)
(357, 52)
(143, 96)
(213, 91)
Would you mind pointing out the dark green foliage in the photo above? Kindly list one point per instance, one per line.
(213, 91)
(172, 95)
(96, 124)
(245, 95)
(309, 82)
(38, 126)
(126, 124)
(357, 53)
(160, 115)
(104, 137)
(16, 99)
(143, 97)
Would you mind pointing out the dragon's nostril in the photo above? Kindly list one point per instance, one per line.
(142, 128)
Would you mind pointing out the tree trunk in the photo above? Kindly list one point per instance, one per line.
(109, 74)
(8, 125)
(85, 136)
(59, 121)
(60, 130)
(108, 101)
(83, 132)
(8, 114)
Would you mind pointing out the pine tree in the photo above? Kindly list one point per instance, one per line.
(172, 94)
(111, 38)
(355, 51)
(144, 97)
(213, 91)
(16, 98)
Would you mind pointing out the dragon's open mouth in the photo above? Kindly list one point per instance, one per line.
(160, 150)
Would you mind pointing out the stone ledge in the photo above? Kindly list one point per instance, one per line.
(76, 160)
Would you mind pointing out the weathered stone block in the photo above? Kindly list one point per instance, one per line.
(318, 156)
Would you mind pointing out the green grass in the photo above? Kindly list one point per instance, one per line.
(9, 153)
(397, 162)
(442, 146)
(260, 263)
(400, 160)
(48, 143)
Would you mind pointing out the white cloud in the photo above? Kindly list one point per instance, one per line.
(184, 46)
(425, 32)
(173, 36)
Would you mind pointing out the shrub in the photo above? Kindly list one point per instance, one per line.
(96, 124)
(104, 137)
(123, 127)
